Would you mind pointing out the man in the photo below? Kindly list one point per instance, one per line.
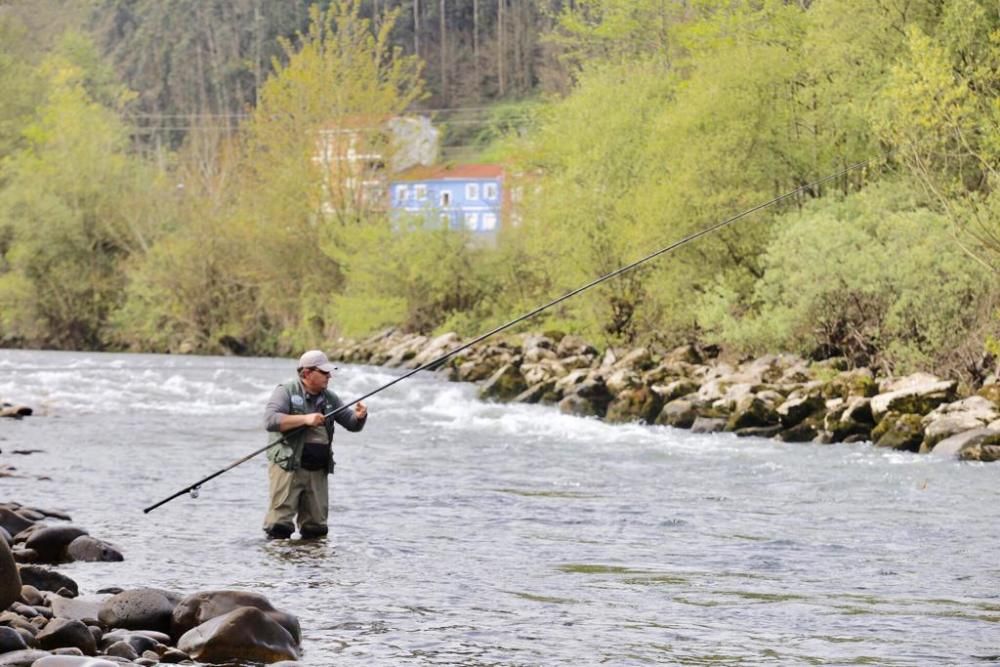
(301, 456)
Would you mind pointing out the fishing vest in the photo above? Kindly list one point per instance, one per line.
(286, 448)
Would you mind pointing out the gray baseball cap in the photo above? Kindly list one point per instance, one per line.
(316, 359)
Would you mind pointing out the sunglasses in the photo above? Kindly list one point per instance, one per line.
(316, 370)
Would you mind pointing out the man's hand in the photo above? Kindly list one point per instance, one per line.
(314, 419)
(360, 411)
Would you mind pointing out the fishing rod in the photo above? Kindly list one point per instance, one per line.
(193, 488)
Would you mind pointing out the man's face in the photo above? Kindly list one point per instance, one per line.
(315, 380)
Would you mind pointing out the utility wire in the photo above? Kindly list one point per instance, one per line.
(433, 364)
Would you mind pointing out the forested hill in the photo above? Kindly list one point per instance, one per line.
(159, 188)
(198, 62)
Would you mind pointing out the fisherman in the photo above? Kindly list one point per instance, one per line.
(300, 421)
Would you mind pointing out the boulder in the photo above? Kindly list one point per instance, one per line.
(51, 542)
(708, 425)
(13, 522)
(915, 394)
(752, 411)
(45, 579)
(203, 606)
(10, 581)
(976, 445)
(140, 609)
(11, 640)
(795, 409)
(25, 658)
(505, 384)
(246, 633)
(83, 608)
(676, 389)
(63, 632)
(634, 404)
(92, 550)
(899, 431)
(74, 661)
(848, 418)
(679, 413)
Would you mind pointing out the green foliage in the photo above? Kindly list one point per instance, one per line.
(414, 277)
(872, 276)
(62, 214)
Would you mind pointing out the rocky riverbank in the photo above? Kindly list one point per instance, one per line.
(47, 623)
(777, 396)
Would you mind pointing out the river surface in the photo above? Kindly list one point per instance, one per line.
(468, 533)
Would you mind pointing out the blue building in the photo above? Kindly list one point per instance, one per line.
(466, 197)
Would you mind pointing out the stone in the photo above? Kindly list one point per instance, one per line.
(915, 394)
(62, 632)
(50, 542)
(10, 580)
(246, 633)
(679, 413)
(203, 606)
(74, 661)
(676, 389)
(640, 404)
(758, 431)
(11, 640)
(899, 431)
(12, 522)
(25, 658)
(795, 409)
(31, 595)
(122, 650)
(80, 608)
(708, 425)
(140, 609)
(505, 384)
(173, 656)
(92, 550)
(752, 411)
(45, 579)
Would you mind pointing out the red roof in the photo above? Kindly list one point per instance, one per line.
(445, 172)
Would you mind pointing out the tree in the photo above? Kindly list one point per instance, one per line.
(64, 211)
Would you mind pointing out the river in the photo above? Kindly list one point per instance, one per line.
(468, 533)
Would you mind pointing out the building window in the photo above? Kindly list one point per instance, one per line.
(402, 193)
(490, 191)
(472, 191)
(470, 221)
(489, 222)
(445, 198)
(420, 192)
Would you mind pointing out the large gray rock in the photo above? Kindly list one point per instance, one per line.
(504, 384)
(45, 579)
(981, 444)
(916, 394)
(63, 632)
(203, 606)
(10, 580)
(140, 609)
(85, 607)
(92, 550)
(74, 661)
(952, 418)
(679, 413)
(13, 522)
(11, 640)
(51, 542)
(245, 633)
(25, 658)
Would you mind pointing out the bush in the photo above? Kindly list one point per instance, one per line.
(874, 276)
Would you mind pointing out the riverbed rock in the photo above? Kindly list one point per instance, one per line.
(679, 413)
(11, 640)
(140, 609)
(970, 445)
(670, 391)
(92, 550)
(752, 411)
(951, 418)
(51, 542)
(81, 608)
(74, 661)
(24, 658)
(899, 431)
(503, 385)
(10, 580)
(708, 425)
(203, 606)
(45, 579)
(246, 633)
(914, 394)
(796, 408)
(13, 522)
(640, 404)
(62, 632)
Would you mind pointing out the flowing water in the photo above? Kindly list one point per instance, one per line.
(479, 534)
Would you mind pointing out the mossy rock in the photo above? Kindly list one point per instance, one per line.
(991, 392)
(504, 385)
(899, 431)
(986, 450)
(636, 404)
